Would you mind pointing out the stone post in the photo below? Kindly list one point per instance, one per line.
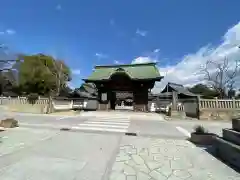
(174, 111)
(234, 104)
(198, 107)
(71, 104)
(174, 101)
(234, 112)
(216, 101)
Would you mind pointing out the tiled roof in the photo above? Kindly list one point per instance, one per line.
(180, 89)
(89, 87)
(134, 71)
(85, 94)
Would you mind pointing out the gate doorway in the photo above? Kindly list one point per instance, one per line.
(123, 100)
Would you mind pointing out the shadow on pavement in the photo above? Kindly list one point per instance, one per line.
(212, 150)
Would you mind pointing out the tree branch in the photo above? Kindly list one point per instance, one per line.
(221, 75)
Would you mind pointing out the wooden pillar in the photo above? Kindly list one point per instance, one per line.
(140, 98)
(112, 100)
(103, 100)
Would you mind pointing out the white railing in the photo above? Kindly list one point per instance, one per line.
(219, 104)
(22, 100)
(123, 107)
(57, 104)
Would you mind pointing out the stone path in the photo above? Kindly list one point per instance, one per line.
(159, 159)
(55, 155)
(15, 139)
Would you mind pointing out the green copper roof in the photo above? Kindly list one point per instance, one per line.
(134, 71)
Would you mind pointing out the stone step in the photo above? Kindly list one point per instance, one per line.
(228, 152)
(236, 124)
(231, 136)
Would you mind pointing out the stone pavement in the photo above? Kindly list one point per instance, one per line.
(25, 152)
(15, 139)
(43, 154)
(59, 155)
(162, 159)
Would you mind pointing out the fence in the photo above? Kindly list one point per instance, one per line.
(180, 107)
(22, 100)
(222, 109)
(200, 108)
(210, 108)
(219, 104)
(191, 107)
(41, 105)
(164, 105)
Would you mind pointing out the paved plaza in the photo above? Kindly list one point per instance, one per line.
(96, 148)
(166, 159)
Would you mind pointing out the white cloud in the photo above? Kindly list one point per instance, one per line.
(101, 55)
(143, 59)
(76, 71)
(117, 62)
(186, 71)
(142, 33)
(70, 84)
(59, 7)
(156, 50)
(8, 31)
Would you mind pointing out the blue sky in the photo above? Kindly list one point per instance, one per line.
(92, 32)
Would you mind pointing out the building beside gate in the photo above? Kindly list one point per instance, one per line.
(134, 81)
(179, 94)
(180, 90)
(85, 97)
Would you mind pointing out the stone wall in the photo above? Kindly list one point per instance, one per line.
(21, 104)
(29, 108)
(216, 114)
(42, 105)
(190, 107)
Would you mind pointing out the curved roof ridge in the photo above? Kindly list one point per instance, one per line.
(124, 71)
(144, 71)
(124, 65)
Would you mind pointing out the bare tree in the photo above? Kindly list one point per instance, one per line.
(6, 66)
(61, 78)
(221, 75)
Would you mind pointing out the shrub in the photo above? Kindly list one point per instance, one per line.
(200, 130)
(32, 98)
(9, 123)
